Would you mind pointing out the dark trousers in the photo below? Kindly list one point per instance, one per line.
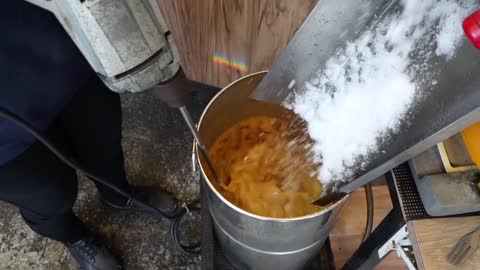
(44, 188)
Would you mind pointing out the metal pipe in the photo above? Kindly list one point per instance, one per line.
(203, 148)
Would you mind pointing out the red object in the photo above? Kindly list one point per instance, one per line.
(471, 27)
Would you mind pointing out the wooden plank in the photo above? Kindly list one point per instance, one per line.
(435, 238)
(416, 249)
(348, 231)
(251, 32)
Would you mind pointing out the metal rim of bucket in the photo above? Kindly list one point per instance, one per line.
(207, 180)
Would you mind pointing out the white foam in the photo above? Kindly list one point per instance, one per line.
(367, 88)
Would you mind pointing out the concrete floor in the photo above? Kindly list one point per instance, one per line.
(157, 148)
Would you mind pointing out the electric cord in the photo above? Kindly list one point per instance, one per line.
(370, 211)
(193, 249)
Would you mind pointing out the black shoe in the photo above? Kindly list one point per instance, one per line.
(156, 197)
(92, 255)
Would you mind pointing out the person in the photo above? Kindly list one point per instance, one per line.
(46, 80)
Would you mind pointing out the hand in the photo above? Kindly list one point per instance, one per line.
(176, 92)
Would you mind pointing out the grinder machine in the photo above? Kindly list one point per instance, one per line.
(446, 107)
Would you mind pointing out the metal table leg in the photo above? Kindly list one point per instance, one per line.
(367, 256)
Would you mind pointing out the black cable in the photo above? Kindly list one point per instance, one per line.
(370, 211)
(174, 231)
(72, 163)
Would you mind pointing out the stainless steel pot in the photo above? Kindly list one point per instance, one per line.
(250, 241)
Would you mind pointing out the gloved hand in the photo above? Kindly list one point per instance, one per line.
(176, 92)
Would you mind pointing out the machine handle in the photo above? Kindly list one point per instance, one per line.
(176, 91)
(471, 27)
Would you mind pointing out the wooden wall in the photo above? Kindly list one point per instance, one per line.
(252, 32)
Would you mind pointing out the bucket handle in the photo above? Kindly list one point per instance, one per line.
(194, 157)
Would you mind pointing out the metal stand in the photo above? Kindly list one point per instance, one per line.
(389, 235)
(398, 243)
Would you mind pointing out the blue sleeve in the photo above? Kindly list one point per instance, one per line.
(40, 71)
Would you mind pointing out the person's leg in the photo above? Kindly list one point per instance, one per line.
(45, 190)
(92, 122)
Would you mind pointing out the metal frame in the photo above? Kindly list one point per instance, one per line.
(398, 243)
(367, 255)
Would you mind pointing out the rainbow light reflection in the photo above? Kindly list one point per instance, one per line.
(231, 63)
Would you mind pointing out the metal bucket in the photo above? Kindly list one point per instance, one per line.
(250, 241)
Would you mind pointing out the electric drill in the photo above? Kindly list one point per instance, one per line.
(127, 43)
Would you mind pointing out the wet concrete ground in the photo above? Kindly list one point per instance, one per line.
(157, 147)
